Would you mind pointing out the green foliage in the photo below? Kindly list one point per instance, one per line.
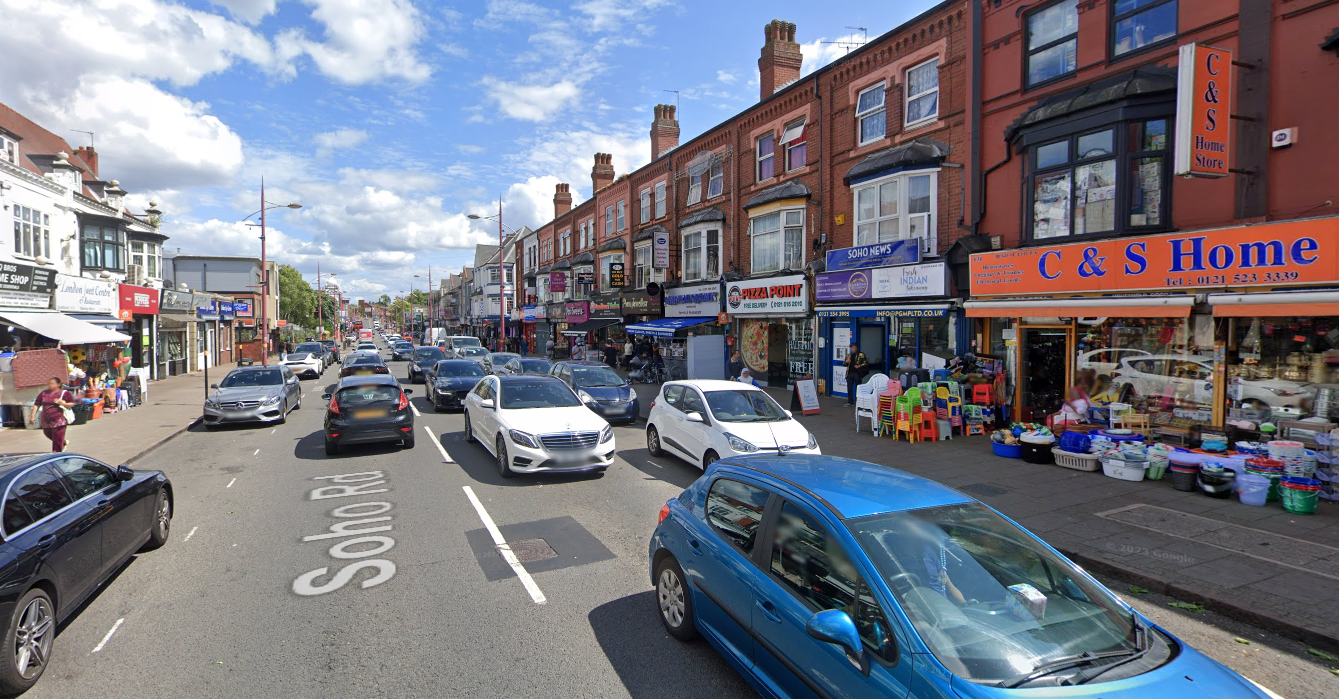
(297, 300)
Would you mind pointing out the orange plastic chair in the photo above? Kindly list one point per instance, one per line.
(929, 428)
(983, 394)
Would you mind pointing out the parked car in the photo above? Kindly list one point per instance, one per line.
(702, 421)
(525, 365)
(1106, 361)
(536, 424)
(458, 342)
(602, 389)
(452, 380)
(421, 361)
(1188, 381)
(70, 523)
(368, 409)
(363, 364)
(494, 361)
(401, 350)
(475, 353)
(253, 394)
(305, 364)
(320, 350)
(333, 347)
(815, 575)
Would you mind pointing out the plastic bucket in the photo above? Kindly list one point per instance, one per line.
(1300, 502)
(1008, 451)
(1252, 489)
(1183, 480)
(1217, 485)
(1157, 467)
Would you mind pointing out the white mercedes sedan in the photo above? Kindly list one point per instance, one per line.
(535, 424)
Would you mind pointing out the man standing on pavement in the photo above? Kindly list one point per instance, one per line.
(736, 367)
(857, 365)
(628, 349)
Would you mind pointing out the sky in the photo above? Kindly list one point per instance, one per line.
(388, 120)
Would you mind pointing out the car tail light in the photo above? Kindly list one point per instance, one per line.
(664, 512)
(404, 402)
(334, 404)
(383, 370)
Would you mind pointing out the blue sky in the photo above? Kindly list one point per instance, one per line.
(389, 120)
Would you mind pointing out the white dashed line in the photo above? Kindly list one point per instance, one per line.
(274, 430)
(505, 550)
(229, 485)
(437, 443)
(416, 412)
(257, 452)
(108, 637)
(191, 534)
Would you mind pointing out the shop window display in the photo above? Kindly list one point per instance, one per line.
(1279, 364)
(1163, 367)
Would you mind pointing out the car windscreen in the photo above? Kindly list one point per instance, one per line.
(403, 345)
(465, 342)
(309, 347)
(990, 601)
(744, 406)
(536, 366)
(500, 358)
(423, 354)
(473, 352)
(595, 377)
(240, 379)
(453, 369)
(354, 396)
(537, 393)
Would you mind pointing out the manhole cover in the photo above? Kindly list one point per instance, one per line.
(983, 489)
(531, 550)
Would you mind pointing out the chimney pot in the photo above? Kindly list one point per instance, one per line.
(562, 200)
(664, 130)
(602, 174)
(780, 62)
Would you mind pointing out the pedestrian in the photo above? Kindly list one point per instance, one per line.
(746, 376)
(50, 406)
(736, 367)
(525, 346)
(611, 354)
(857, 364)
(628, 349)
(548, 349)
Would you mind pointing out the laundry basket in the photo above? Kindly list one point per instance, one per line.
(1077, 461)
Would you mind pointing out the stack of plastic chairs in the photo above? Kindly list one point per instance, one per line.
(930, 428)
(941, 403)
(885, 420)
(908, 415)
(955, 411)
(983, 394)
(974, 418)
(867, 400)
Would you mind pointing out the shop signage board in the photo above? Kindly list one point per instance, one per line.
(558, 282)
(616, 277)
(137, 300)
(26, 279)
(606, 306)
(909, 281)
(808, 392)
(80, 295)
(176, 301)
(205, 308)
(528, 314)
(660, 245)
(586, 278)
(243, 308)
(787, 295)
(576, 312)
(884, 312)
(640, 303)
(226, 309)
(1276, 254)
(701, 301)
(1204, 91)
(893, 252)
(15, 299)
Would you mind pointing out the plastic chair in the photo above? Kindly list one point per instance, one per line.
(945, 430)
(973, 418)
(929, 428)
(867, 400)
(955, 411)
(940, 375)
(983, 394)
(886, 418)
(908, 415)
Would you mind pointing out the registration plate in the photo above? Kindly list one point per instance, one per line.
(363, 372)
(368, 414)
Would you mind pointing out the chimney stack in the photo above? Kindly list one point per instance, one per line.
(562, 200)
(780, 62)
(664, 130)
(602, 174)
(90, 158)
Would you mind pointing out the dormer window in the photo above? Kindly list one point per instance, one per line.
(9, 150)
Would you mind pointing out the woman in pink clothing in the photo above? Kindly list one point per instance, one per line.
(52, 403)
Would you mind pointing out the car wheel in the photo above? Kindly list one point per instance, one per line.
(708, 459)
(162, 522)
(469, 430)
(331, 447)
(283, 415)
(408, 442)
(29, 637)
(503, 461)
(673, 601)
(653, 441)
(299, 405)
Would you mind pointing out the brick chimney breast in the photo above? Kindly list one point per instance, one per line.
(562, 200)
(664, 130)
(602, 174)
(780, 62)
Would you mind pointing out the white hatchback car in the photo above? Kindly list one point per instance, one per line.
(535, 424)
(702, 421)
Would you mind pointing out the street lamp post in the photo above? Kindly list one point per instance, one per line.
(502, 269)
(265, 272)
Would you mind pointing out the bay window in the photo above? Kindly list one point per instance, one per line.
(103, 247)
(581, 291)
(32, 232)
(897, 207)
(660, 199)
(793, 140)
(777, 240)
(702, 254)
(871, 114)
(1138, 24)
(645, 208)
(766, 157)
(606, 284)
(1111, 180)
(922, 93)
(542, 289)
(1052, 41)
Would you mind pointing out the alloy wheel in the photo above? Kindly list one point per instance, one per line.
(33, 637)
(164, 515)
(670, 592)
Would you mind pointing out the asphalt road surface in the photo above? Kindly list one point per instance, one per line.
(247, 600)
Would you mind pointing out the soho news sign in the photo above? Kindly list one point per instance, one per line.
(1275, 254)
(778, 295)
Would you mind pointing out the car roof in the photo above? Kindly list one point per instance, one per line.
(10, 463)
(367, 380)
(584, 362)
(527, 377)
(458, 361)
(715, 385)
(849, 487)
(245, 369)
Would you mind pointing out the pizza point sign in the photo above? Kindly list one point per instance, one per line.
(774, 296)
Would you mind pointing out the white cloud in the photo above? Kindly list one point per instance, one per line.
(249, 11)
(566, 153)
(328, 142)
(469, 149)
(530, 102)
(606, 15)
(726, 77)
(365, 40)
(817, 53)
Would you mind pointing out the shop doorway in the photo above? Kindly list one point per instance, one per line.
(778, 346)
(841, 341)
(874, 343)
(1043, 370)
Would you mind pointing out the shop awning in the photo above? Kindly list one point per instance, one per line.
(97, 319)
(1303, 303)
(63, 328)
(1125, 307)
(177, 318)
(590, 326)
(665, 327)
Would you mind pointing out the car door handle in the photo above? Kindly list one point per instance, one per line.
(769, 611)
(696, 546)
(46, 541)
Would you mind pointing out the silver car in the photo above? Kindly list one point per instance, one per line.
(253, 394)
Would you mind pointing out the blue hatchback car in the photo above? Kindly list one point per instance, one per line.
(817, 576)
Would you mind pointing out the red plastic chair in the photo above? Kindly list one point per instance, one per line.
(983, 394)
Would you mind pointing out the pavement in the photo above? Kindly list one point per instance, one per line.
(1262, 565)
(173, 404)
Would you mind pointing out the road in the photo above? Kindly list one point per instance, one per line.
(216, 613)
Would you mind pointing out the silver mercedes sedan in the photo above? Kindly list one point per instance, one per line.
(253, 394)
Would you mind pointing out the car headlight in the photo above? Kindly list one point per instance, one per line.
(606, 434)
(585, 397)
(272, 400)
(524, 439)
(739, 444)
(813, 441)
(211, 403)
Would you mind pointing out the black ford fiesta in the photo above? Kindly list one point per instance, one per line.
(69, 524)
(368, 409)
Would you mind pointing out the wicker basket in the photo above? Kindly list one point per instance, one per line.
(1078, 462)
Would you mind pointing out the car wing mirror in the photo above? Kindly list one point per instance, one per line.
(326, 396)
(788, 413)
(124, 473)
(213, 385)
(407, 391)
(486, 403)
(694, 417)
(837, 627)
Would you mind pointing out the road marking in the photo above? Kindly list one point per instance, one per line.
(188, 536)
(256, 452)
(505, 550)
(229, 485)
(108, 637)
(274, 430)
(416, 412)
(438, 444)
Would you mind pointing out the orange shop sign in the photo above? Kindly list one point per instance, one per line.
(1275, 254)
(1204, 89)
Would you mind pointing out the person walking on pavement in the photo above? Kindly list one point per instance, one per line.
(548, 349)
(857, 365)
(736, 367)
(628, 349)
(611, 354)
(50, 407)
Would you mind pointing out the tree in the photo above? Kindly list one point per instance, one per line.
(418, 298)
(398, 308)
(384, 300)
(297, 299)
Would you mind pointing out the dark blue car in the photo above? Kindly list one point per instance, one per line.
(817, 576)
(602, 389)
(452, 380)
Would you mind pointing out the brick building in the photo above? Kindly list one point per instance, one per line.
(1196, 296)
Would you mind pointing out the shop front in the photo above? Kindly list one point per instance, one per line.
(176, 318)
(1196, 330)
(691, 339)
(94, 302)
(206, 331)
(23, 289)
(641, 306)
(770, 321)
(556, 315)
(576, 314)
(606, 318)
(139, 311)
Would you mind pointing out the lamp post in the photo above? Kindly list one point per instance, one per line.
(265, 271)
(502, 268)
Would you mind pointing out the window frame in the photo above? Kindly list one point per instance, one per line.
(904, 214)
(609, 221)
(660, 199)
(1028, 54)
(860, 116)
(703, 251)
(9, 150)
(907, 97)
(644, 205)
(695, 188)
(622, 215)
(797, 143)
(716, 179)
(760, 158)
(101, 243)
(781, 230)
(32, 230)
(605, 260)
(1115, 19)
(60, 478)
(642, 274)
